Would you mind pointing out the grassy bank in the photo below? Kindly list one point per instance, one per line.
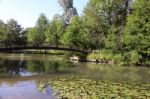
(121, 58)
(77, 88)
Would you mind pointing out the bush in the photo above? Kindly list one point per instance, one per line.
(101, 54)
(132, 57)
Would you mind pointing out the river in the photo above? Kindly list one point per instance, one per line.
(21, 73)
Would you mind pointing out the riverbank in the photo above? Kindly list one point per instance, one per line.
(92, 60)
(96, 56)
(121, 58)
(78, 88)
(112, 58)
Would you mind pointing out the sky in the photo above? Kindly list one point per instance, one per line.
(26, 12)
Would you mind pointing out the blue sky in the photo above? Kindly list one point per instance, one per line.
(26, 12)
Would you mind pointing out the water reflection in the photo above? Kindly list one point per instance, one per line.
(32, 67)
(14, 66)
(50, 65)
(118, 73)
(22, 90)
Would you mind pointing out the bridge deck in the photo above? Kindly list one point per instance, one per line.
(41, 48)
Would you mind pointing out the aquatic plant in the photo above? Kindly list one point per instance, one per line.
(77, 88)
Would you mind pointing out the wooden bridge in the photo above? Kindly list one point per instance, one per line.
(9, 49)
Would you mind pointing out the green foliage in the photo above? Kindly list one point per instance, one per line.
(111, 39)
(106, 22)
(78, 88)
(137, 31)
(119, 59)
(2, 32)
(132, 57)
(14, 34)
(108, 55)
(33, 37)
(94, 24)
(36, 35)
(54, 32)
(42, 22)
(75, 35)
(101, 54)
(135, 57)
(101, 17)
(115, 26)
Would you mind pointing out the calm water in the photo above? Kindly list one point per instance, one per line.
(25, 71)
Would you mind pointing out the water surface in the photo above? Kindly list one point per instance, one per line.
(24, 71)
(22, 90)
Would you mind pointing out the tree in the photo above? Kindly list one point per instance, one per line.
(13, 34)
(111, 39)
(22, 40)
(101, 16)
(36, 35)
(94, 23)
(42, 22)
(54, 32)
(137, 31)
(2, 32)
(75, 35)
